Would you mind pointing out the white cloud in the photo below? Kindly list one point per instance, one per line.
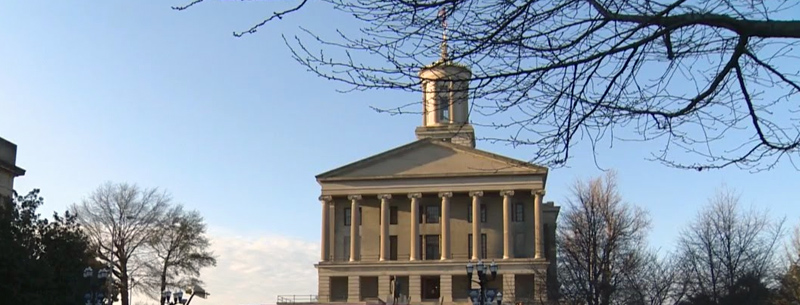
(255, 270)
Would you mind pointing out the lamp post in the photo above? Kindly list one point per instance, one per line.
(95, 296)
(177, 297)
(483, 295)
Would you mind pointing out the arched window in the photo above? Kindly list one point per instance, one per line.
(443, 101)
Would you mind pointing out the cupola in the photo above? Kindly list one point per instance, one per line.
(445, 100)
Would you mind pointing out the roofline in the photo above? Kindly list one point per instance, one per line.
(13, 169)
(493, 155)
(370, 159)
(419, 176)
(536, 169)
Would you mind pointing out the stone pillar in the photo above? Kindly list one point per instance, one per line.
(354, 227)
(537, 218)
(509, 288)
(384, 284)
(325, 243)
(414, 231)
(446, 288)
(324, 288)
(384, 251)
(507, 233)
(476, 224)
(353, 289)
(414, 289)
(445, 224)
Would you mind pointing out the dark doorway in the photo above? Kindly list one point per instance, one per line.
(430, 287)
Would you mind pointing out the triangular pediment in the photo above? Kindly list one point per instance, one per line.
(432, 158)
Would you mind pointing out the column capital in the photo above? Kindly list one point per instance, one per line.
(446, 194)
(354, 197)
(325, 198)
(476, 194)
(507, 193)
(384, 196)
(538, 192)
(415, 195)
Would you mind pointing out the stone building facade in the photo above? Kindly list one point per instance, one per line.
(8, 167)
(411, 218)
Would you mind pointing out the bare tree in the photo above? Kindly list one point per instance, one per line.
(178, 252)
(683, 74)
(788, 290)
(600, 243)
(656, 281)
(727, 251)
(119, 220)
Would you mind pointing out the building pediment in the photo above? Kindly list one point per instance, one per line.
(429, 158)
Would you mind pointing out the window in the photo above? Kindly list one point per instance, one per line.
(483, 245)
(431, 247)
(483, 213)
(518, 212)
(348, 216)
(469, 246)
(393, 215)
(393, 247)
(430, 214)
(442, 101)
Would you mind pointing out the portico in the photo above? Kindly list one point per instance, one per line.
(421, 223)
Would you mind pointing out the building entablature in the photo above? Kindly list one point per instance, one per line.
(452, 267)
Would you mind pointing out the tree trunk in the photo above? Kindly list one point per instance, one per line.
(163, 283)
(123, 291)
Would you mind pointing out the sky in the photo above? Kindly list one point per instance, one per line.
(132, 91)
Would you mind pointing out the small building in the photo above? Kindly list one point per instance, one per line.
(8, 167)
(401, 226)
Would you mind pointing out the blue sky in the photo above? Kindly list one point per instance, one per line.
(132, 91)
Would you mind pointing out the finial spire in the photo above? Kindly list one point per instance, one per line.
(443, 17)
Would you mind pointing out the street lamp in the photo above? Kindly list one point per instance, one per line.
(95, 296)
(177, 297)
(483, 295)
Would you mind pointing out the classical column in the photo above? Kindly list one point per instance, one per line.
(476, 224)
(537, 218)
(326, 215)
(445, 224)
(354, 227)
(384, 225)
(414, 232)
(507, 195)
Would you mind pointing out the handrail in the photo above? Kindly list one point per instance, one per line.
(298, 298)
